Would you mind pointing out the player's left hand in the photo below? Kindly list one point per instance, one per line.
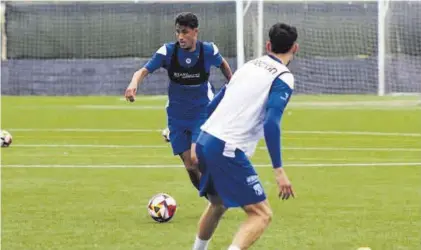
(284, 185)
(194, 159)
(130, 93)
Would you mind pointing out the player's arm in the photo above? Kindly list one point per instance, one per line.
(153, 64)
(219, 61)
(278, 99)
(279, 96)
(226, 69)
(216, 100)
(138, 77)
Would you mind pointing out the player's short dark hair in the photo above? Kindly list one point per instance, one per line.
(282, 37)
(187, 19)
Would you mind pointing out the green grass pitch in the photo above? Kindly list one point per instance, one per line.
(81, 170)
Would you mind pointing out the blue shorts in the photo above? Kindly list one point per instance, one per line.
(183, 133)
(227, 173)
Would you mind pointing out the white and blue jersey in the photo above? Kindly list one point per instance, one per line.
(189, 90)
(248, 109)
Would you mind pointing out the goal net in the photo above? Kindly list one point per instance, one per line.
(402, 39)
(346, 47)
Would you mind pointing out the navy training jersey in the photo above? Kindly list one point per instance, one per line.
(188, 98)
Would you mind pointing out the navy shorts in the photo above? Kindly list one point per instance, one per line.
(227, 173)
(183, 134)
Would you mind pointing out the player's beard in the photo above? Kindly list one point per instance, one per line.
(188, 48)
(188, 45)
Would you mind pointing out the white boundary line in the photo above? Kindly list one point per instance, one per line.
(151, 104)
(168, 146)
(349, 149)
(87, 146)
(416, 164)
(82, 130)
(169, 156)
(354, 133)
(159, 130)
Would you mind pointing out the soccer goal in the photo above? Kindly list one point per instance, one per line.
(93, 47)
(347, 47)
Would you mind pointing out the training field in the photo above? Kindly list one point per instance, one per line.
(81, 170)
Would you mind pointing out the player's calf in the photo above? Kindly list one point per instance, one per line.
(211, 217)
(209, 222)
(192, 170)
(259, 217)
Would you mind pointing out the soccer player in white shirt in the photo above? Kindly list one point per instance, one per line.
(249, 108)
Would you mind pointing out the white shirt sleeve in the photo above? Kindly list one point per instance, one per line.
(288, 78)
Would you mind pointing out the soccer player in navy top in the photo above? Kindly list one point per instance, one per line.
(188, 62)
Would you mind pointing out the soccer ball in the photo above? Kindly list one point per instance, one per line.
(162, 207)
(6, 139)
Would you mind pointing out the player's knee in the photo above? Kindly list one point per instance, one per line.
(218, 209)
(189, 165)
(191, 168)
(267, 216)
(216, 204)
(261, 210)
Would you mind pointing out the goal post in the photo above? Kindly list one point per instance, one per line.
(242, 7)
(381, 31)
(239, 12)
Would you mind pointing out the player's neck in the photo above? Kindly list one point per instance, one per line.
(282, 57)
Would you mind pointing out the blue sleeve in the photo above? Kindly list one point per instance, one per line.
(214, 55)
(279, 96)
(157, 60)
(216, 100)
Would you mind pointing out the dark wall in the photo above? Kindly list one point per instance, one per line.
(111, 76)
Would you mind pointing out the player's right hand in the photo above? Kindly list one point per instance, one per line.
(130, 93)
(284, 185)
